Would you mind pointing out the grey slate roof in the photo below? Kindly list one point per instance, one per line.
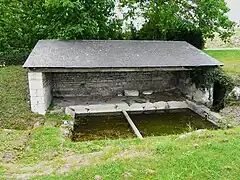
(116, 53)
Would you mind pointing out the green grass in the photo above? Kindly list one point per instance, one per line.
(14, 107)
(230, 58)
(206, 155)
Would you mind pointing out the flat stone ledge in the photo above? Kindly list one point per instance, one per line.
(148, 106)
(119, 107)
(177, 105)
(100, 108)
(108, 108)
(136, 107)
(122, 106)
(161, 105)
(149, 92)
(131, 93)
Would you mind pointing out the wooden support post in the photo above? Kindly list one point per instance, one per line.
(136, 131)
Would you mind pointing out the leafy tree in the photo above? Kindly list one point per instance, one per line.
(24, 22)
(171, 19)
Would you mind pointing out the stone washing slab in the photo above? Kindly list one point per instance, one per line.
(136, 107)
(177, 105)
(98, 108)
(108, 108)
(148, 106)
(118, 107)
(160, 105)
(122, 106)
(131, 93)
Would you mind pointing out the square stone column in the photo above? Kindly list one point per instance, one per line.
(40, 91)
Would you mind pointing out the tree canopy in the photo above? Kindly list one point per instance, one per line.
(24, 22)
(176, 19)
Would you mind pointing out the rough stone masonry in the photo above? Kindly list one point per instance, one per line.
(45, 86)
(110, 83)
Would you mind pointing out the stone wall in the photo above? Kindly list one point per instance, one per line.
(40, 91)
(202, 96)
(110, 83)
(45, 85)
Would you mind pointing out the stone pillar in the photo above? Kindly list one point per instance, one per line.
(40, 91)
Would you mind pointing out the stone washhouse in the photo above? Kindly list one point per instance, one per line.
(91, 72)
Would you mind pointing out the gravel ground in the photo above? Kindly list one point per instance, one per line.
(232, 113)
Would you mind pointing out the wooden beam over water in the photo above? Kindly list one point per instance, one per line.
(135, 129)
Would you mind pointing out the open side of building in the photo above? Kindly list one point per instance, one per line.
(92, 72)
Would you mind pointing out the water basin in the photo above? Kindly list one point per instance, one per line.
(153, 124)
(160, 124)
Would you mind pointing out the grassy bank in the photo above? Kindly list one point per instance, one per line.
(201, 155)
(14, 107)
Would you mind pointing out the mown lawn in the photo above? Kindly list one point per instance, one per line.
(43, 153)
(230, 58)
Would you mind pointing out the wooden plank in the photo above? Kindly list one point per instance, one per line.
(136, 131)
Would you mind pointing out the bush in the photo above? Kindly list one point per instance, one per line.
(13, 57)
(216, 78)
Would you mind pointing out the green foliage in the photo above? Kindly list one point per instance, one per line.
(24, 22)
(206, 155)
(170, 20)
(57, 117)
(206, 77)
(192, 36)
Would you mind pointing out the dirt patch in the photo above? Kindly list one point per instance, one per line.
(68, 162)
